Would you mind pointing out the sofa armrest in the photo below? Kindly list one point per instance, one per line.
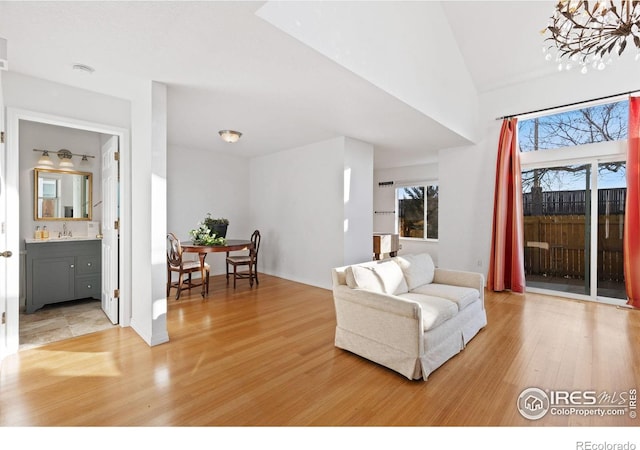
(460, 278)
(383, 318)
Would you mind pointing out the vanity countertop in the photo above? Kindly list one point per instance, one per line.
(62, 239)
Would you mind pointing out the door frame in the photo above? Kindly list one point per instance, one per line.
(14, 116)
(593, 154)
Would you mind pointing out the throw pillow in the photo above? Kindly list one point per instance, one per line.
(418, 269)
(348, 275)
(365, 278)
(392, 278)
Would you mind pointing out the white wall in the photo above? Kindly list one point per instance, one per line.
(384, 198)
(467, 178)
(34, 94)
(201, 182)
(358, 201)
(429, 73)
(297, 202)
(148, 212)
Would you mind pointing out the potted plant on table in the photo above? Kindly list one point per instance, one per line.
(218, 226)
(208, 232)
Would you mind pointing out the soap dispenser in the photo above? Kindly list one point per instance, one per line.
(37, 234)
(45, 232)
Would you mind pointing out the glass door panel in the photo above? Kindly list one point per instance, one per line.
(557, 227)
(611, 201)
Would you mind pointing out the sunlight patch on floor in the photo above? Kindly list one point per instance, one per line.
(77, 364)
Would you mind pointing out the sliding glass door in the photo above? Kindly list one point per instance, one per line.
(611, 200)
(573, 224)
(557, 204)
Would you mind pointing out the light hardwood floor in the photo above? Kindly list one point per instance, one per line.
(265, 357)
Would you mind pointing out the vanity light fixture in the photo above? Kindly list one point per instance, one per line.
(65, 158)
(45, 160)
(230, 135)
(64, 155)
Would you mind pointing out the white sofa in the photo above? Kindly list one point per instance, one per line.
(406, 314)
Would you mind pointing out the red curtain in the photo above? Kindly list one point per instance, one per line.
(631, 241)
(506, 263)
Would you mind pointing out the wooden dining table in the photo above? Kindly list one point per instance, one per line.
(231, 245)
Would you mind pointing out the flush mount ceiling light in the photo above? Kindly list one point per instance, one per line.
(587, 33)
(229, 135)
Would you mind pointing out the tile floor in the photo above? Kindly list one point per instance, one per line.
(61, 321)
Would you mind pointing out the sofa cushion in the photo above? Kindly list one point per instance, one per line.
(390, 273)
(363, 277)
(462, 296)
(435, 310)
(382, 276)
(418, 269)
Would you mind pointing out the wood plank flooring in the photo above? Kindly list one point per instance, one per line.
(265, 357)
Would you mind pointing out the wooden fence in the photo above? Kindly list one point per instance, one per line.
(562, 203)
(555, 246)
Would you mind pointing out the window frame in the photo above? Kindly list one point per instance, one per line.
(409, 184)
(591, 153)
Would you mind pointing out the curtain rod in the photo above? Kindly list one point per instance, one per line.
(568, 104)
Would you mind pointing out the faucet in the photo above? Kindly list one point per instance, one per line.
(65, 230)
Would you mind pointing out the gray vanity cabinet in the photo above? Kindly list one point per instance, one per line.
(58, 271)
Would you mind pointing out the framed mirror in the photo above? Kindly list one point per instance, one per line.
(62, 195)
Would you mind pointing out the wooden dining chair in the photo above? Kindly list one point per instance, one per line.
(249, 260)
(176, 263)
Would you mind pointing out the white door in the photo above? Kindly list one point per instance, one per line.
(110, 229)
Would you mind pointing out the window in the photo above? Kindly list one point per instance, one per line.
(600, 123)
(573, 201)
(418, 211)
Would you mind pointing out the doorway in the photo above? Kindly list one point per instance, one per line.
(573, 228)
(16, 120)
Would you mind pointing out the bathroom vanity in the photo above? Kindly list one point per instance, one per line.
(62, 269)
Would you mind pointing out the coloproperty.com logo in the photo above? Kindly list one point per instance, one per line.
(535, 403)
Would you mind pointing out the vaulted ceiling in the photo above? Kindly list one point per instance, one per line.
(228, 67)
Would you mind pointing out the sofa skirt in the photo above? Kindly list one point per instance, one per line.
(440, 344)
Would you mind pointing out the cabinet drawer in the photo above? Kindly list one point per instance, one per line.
(88, 286)
(87, 264)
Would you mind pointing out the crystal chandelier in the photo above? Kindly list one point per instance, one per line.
(587, 33)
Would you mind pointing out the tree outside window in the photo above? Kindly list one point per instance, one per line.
(418, 211)
(600, 123)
